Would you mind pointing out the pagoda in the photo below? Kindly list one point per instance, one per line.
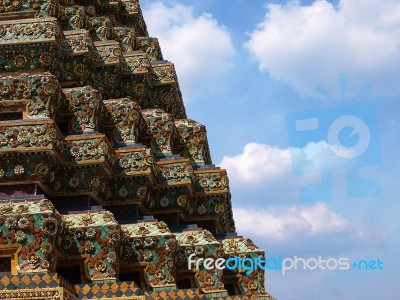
(106, 187)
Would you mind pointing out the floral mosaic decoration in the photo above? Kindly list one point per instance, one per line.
(34, 225)
(151, 243)
(95, 235)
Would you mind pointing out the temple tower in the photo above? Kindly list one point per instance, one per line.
(106, 187)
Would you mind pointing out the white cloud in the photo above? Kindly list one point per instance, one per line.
(200, 48)
(265, 190)
(310, 45)
(285, 222)
(317, 157)
(257, 163)
(264, 173)
(260, 163)
(314, 225)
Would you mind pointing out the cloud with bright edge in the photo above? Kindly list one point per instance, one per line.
(260, 163)
(199, 46)
(307, 228)
(262, 166)
(308, 46)
(278, 173)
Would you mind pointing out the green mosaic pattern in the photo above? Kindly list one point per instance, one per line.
(95, 235)
(203, 245)
(34, 226)
(151, 243)
(103, 118)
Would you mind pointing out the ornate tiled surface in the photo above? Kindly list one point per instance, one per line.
(107, 290)
(187, 294)
(159, 126)
(92, 115)
(34, 281)
(32, 226)
(153, 244)
(38, 91)
(84, 104)
(95, 236)
(249, 284)
(122, 118)
(192, 136)
(42, 294)
(203, 244)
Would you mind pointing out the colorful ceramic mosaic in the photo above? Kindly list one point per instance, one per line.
(32, 228)
(152, 244)
(95, 236)
(102, 176)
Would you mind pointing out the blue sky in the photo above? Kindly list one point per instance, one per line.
(243, 67)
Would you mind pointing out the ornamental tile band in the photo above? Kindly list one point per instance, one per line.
(106, 187)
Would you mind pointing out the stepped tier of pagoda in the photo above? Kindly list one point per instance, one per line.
(106, 187)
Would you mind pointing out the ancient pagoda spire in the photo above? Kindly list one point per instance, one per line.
(106, 187)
